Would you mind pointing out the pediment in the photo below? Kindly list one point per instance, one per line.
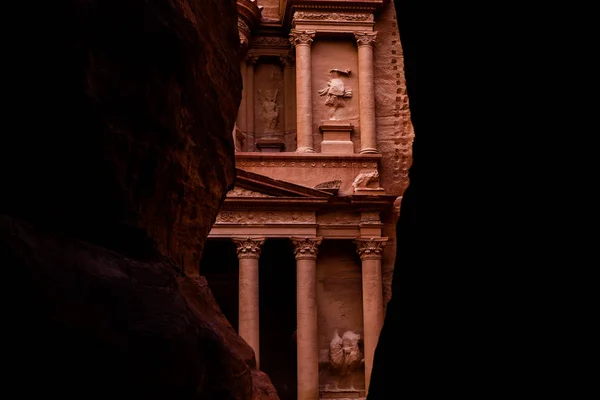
(250, 184)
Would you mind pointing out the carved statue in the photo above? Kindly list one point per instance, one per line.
(269, 111)
(364, 178)
(344, 353)
(335, 91)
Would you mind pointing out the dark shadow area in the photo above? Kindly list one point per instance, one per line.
(220, 267)
(392, 349)
(277, 274)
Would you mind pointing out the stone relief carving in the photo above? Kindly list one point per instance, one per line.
(325, 16)
(364, 178)
(239, 192)
(265, 217)
(269, 110)
(335, 184)
(370, 248)
(338, 219)
(238, 138)
(336, 91)
(271, 41)
(344, 352)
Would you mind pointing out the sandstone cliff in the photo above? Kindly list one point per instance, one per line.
(112, 176)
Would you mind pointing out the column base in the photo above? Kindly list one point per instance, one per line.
(336, 137)
(369, 150)
(305, 150)
(270, 145)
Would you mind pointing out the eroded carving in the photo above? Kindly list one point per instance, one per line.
(301, 37)
(265, 217)
(269, 110)
(238, 138)
(336, 91)
(370, 217)
(338, 218)
(249, 247)
(306, 248)
(370, 249)
(365, 38)
(271, 41)
(364, 178)
(335, 184)
(239, 192)
(344, 353)
(325, 16)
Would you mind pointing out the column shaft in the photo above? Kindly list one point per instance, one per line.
(368, 130)
(306, 314)
(250, 103)
(304, 116)
(370, 251)
(248, 319)
(241, 117)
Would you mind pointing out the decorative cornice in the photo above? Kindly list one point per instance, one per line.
(271, 41)
(249, 16)
(301, 37)
(365, 38)
(370, 249)
(306, 248)
(332, 16)
(249, 247)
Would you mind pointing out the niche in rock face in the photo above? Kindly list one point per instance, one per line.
(268, 100)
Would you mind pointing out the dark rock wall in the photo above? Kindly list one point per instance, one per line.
(115, 156)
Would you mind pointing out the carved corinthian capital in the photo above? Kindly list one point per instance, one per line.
(249, 247)
(288, 60)
(306, 248)
(301, 37)
(365, 38)
(370, 249)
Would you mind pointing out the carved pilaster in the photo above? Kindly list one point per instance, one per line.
(298, 38)
(249, 247)
(252, 59)
(306, 248)
(370, 249)
(365, 38)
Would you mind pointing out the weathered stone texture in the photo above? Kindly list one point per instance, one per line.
(142, 328)
(271, 9)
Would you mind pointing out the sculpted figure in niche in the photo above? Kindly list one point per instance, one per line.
(336, 91)
(269, 111)
(344, 353)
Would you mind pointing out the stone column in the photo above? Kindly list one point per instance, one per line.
(370, 251)
(248, 251)
(305, 250)
(368, 131)
(250, 62)
(302, 40)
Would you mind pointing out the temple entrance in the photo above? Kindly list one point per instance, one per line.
(277, 274)
(220, 267)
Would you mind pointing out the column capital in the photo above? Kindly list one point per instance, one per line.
(306, 248)
(251, 59)
(301, 37)
(365, 38)
(370, 249)
(288, 60)
(249, 247)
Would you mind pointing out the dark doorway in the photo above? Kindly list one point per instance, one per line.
(220, 267)
(277, 274)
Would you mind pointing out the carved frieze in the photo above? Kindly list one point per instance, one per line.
(271, 41)
(365, 38)
(338, 219)
(335, 184)
(265, 217)
(298, 37)
(307, 164)
(370, 217)
(333, 16)
(306, 248)
(249, 247)
(370, 249)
